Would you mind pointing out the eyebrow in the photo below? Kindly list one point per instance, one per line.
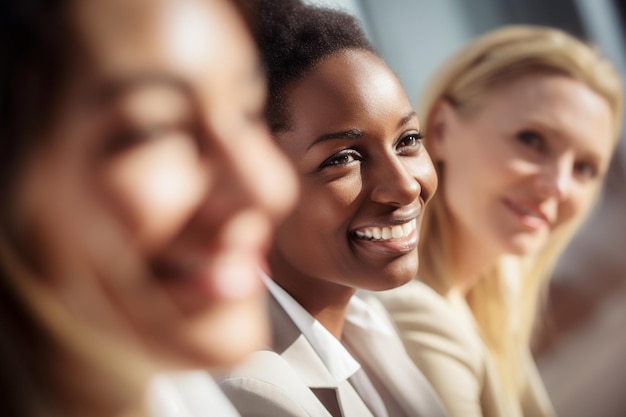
(407, 118)
(111, 90)
(346, 134)
(356, 133)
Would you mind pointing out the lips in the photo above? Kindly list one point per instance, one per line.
(229, 275)
(529, 214)
(222, 267)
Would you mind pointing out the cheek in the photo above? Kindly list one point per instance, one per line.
(480, 174)
(156, 190)
(61, 219)
(577, 205)
(460, 188)
(331, 201)
(319, 218)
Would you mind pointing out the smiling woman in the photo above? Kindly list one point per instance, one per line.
(356, 143)
(521, 124)
(340, 114)
(137, 203)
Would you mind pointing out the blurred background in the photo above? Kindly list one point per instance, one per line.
(581, 349)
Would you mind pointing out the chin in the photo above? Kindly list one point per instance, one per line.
(225, 338)
(398, 273)
(525, 245)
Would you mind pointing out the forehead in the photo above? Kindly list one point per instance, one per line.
(350, 87)
(563, 106)
(191, 37)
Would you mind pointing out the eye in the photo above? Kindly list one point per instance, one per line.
(532, 139)
(410, 142)
(343, 158)
(128, 136)
(144, 114)
(586, 170)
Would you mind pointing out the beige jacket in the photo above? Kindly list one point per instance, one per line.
(443, 340)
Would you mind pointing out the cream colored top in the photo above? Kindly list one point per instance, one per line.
(443, 340)
(188, 394)
(292, 380)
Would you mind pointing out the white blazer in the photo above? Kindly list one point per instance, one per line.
(290, 380)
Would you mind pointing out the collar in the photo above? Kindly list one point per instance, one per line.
(339, 362)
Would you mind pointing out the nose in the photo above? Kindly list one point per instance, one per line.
(556, 177)
(394, 182)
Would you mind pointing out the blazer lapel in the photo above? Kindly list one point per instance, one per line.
(338, 397)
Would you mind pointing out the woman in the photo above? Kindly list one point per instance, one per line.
(137, 201)
(521, 125)
(341, 116)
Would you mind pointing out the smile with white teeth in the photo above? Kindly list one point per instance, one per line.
(526, 211)
(387, 232)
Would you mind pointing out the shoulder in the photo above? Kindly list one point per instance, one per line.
(266, 385)
(429, 324)
(194, 391)
(441, 338)
(414, 295)
(420, 307)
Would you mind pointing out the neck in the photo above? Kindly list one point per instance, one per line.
(471, 261)
(333, 319)
(326, 301)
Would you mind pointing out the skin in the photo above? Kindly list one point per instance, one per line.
(529, 159)
(160, 162)
(355, 142)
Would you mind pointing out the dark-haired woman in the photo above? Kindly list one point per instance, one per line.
(139, 189)
(340, 114)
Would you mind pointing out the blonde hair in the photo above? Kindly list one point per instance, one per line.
(496, 57)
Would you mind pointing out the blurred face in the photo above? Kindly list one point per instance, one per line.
(160, 155)
(529, 159)
(365, 178)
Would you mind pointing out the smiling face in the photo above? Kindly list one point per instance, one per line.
(365, 178)
(160, 151)
(530, 158)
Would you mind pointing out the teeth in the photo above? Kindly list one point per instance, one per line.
(387, 232)
(525, 211)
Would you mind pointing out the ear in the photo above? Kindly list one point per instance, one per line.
(440, 124)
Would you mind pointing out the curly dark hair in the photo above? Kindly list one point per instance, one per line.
(293, 38)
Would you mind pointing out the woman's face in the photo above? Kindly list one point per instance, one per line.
(529, 159)
(161, 151)
(365, 179)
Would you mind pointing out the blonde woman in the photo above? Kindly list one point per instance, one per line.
(139, 190)
(521, 124)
